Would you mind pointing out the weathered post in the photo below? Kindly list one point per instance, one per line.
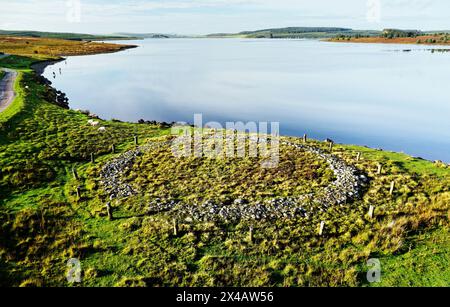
(358, 157)
(250, 234)
(391, 191)
(113, 149)
(74, 173)
(78, 191)
(109, 211)
(371, 211)
(331, 147)
(305, 138)
(136, 140)
(175, 227)
(321, 228)
(92, 158)
(380, 169)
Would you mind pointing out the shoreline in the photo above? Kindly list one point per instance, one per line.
(40, 66)
(419, 40)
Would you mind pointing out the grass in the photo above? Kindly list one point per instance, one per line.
(54, 48)
(404, 162)
(21, 62)
(43, 223)
(425, 264)
(194, 180)
(16, 105)
(141, 250)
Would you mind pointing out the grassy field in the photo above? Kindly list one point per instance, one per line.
(426, 263)
(44, 223)
(54, 48)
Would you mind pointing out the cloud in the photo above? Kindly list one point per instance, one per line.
(206, 16)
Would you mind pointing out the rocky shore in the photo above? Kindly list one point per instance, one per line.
(349, 185)
(39, 67)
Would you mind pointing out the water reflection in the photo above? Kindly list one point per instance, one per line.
(352, 93)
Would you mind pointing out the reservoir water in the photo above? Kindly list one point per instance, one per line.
(382, 96)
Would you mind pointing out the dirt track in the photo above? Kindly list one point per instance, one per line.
(7, 93)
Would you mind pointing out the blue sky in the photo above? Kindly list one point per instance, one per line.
(209, 16)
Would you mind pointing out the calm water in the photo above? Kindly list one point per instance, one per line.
(353, 93)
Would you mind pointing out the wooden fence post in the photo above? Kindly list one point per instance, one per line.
(331, 147)
(358, 157)
(113, 149)
(78, 191)
(305, 138)
(391, 191)
(250, 234)
(380, 169)
(175, 227)
(371, 211)
(109, 211)
(136, 140)
(321, 228)
(92, 158)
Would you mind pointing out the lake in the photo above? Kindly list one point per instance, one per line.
(366, 94)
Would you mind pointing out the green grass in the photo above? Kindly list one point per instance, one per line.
(402, 161)
(425, 264)
(194, 180)
(43, 223)
(22, 65)
(19, 62)
(17, 105)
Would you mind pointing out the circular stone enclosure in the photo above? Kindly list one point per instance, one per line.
(232, 189)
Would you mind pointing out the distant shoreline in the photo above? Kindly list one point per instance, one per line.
(429, 40)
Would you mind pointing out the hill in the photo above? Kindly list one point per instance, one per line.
(68, 36)
(297, 32)
(150, 35)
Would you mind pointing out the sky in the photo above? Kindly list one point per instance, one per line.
(214, 16)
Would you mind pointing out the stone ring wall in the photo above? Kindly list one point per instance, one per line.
(349, 185)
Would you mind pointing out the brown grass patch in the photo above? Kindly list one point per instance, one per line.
(48, 47)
